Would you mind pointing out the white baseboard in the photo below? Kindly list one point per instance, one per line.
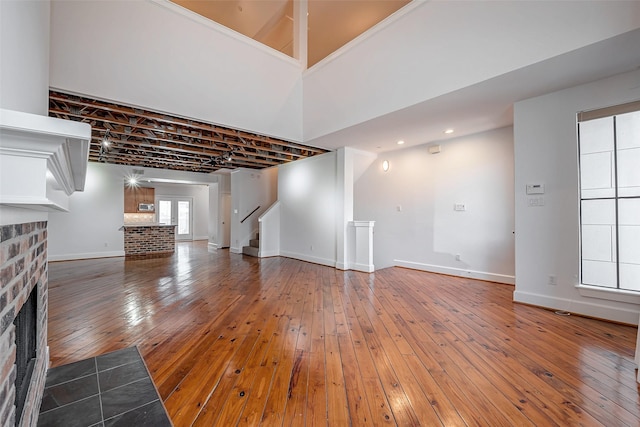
(234, 250)
(200, 237)
(480, 275)
(211, 247)
(265, 254)
(47, 356)
(87, 255)
(592, 309)
(308, 258)
(366, 268)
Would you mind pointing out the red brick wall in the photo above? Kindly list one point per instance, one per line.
(149, 240)
(23, 267)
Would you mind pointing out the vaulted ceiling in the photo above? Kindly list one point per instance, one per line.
(128, 135)
(133, 136)
(470, 105)
(330, 23)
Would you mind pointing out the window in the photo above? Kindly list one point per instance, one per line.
(609, 153)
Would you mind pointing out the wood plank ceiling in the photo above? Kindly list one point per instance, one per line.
(132, 136)
(330, 24)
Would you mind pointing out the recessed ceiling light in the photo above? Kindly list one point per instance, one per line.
(448, 131)
(400, 142)
(105, 139)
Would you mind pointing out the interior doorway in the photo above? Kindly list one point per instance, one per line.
(225, 232)
(178, 211)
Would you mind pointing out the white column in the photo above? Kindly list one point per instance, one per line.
(300, 25)
(344, 205)
(363, 250)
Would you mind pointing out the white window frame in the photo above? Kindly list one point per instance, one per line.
(590, 290)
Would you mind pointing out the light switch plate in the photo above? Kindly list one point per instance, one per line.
(535, 188)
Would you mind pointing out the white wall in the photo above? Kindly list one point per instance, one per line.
(250, 189)
(24, 56)
(547, 238)
(412, 205)
(214, 215)
(269, 224)
(157, 55)
(91, 227)
(24, 73)
(406, 62)
(308, 197)
(200, 209)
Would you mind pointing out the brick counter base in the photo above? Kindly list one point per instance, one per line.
(149, 241)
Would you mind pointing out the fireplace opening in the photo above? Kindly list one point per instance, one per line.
(26, 342)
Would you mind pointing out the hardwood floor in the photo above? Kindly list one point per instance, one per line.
(235, 340)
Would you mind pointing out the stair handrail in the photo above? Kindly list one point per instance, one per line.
(252, 212)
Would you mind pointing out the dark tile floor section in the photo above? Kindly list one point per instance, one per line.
(113, 389)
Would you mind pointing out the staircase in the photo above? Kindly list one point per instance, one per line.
(254, 246)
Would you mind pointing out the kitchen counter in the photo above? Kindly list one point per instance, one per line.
(147, 224)
(149, 240)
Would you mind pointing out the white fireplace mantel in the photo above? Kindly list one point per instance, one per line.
(43, 160)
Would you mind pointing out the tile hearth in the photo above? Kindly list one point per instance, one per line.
(113, 389)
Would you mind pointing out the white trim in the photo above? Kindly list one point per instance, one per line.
(366, 268)
(197, 18)
(480, 275)
(235, 250)
(274, 206)
(362, 223)
(610, 294)
(212, 247)
(33, 202)
(87, 255)
(19, 215)
(42, 145)
(366, 35)
(599, 311)
(304, 257)
(64, 143)
(265, 254)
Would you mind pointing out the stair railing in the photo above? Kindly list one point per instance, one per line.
(252, 212)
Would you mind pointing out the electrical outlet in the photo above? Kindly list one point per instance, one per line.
(457, 257)
(553, 280)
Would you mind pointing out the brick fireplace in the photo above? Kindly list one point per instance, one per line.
(23, 272)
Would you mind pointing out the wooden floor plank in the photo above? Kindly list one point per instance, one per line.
(235, 340)
(565, 381)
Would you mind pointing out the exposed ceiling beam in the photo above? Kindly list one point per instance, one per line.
(140, 137)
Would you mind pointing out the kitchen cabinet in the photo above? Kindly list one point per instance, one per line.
(133, 196)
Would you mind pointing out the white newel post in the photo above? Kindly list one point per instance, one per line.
(363, 260)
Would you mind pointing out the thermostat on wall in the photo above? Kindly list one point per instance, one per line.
(535, 188)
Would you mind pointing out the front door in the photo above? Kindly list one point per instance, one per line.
(177, 210)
